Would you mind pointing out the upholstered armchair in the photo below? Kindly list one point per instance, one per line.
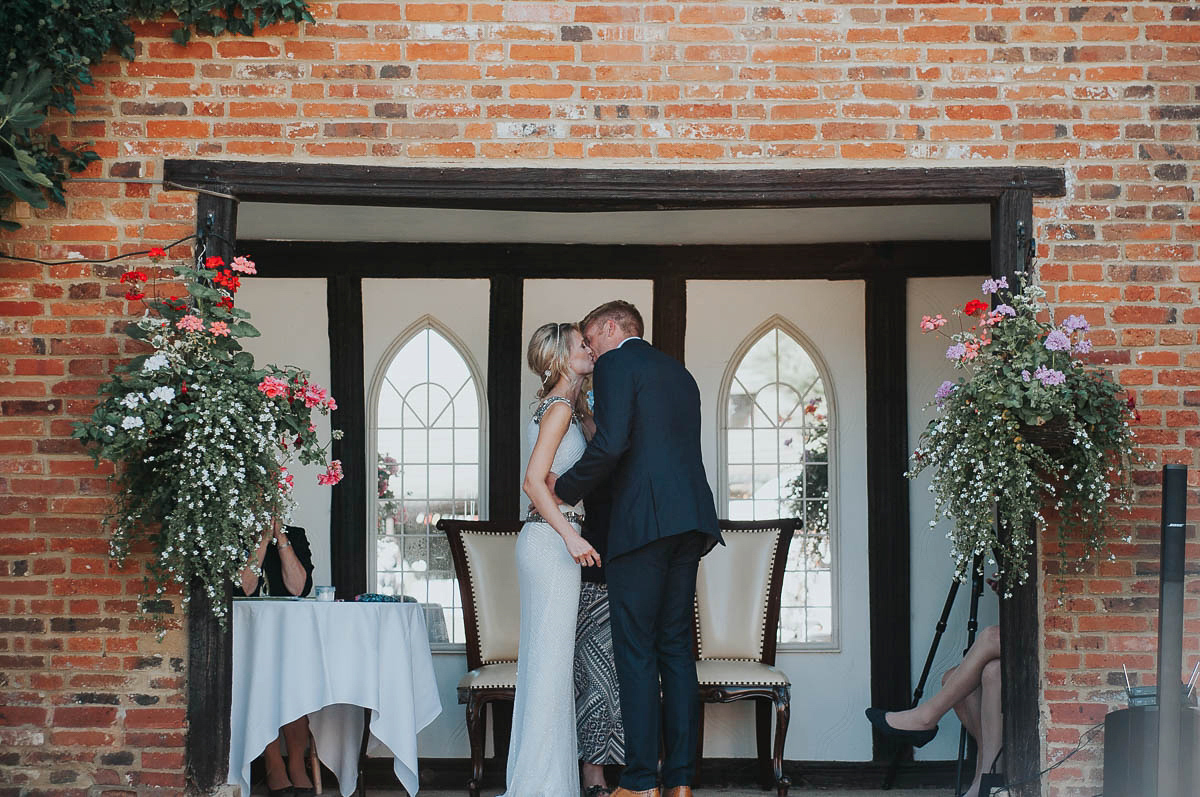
(485, 560)
(737, 614)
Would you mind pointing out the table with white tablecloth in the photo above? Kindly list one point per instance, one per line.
(330, 661)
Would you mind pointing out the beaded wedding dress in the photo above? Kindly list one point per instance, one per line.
(542, 756)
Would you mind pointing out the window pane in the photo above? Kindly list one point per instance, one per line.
(776, 436)
(427, 421)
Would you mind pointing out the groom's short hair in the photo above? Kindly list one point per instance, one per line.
(624, 314)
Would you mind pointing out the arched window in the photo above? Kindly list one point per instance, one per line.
(428, 444)
(775, 436)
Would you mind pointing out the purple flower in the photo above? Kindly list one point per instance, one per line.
(991, 286)
(1058, 341)
(1004, 309)
(1025, 375)
(956, 352)
(1083, 346)
(1075, 322)
(944, 391)
(1048, 376)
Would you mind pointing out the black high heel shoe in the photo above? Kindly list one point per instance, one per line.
(877, 716)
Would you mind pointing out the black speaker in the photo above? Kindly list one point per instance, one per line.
(1131, 752)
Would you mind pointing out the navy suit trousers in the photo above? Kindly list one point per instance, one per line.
(651, 591)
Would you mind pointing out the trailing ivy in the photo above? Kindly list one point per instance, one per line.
(47, 51)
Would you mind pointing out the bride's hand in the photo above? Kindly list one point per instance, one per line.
(582, 551)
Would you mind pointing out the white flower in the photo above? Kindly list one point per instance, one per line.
(131, 422)
(132, 400)
(109, 430)
(163, 393)
(154, 362)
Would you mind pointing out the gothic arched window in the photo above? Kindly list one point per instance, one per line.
(428, 444)
(775, 462)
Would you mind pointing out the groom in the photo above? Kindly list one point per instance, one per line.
(647, 410)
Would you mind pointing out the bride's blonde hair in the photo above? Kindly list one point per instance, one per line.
(549, 354)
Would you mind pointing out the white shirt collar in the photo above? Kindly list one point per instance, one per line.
(631, 337)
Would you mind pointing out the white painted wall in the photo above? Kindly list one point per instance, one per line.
(292, 317)
(932, 567)
(829, 689)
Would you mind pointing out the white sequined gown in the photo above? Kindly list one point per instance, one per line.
(542, 757)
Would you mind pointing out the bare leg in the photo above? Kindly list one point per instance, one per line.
(961, 683)
(593, 775)
(277, 776)
(295, 733)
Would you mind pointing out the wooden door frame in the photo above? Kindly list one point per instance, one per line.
(1008, 190)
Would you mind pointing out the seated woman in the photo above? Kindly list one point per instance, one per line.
(286, 570)
(972, 689)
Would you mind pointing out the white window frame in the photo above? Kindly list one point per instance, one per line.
(376, 388)
(788, 328)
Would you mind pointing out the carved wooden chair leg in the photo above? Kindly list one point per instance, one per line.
(783, 713)
(475, 732)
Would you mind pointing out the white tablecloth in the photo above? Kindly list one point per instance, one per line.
(331, 660)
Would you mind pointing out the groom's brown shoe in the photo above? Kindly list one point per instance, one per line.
(623, 792)
(679, 791)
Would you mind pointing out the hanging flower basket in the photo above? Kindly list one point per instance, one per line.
(200, 437)
(1031, 425)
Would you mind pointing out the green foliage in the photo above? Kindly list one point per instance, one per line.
(201, 437)
(47, 51)
(218, 17)
(1031, 425)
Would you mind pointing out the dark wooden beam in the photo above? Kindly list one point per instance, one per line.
(742, 262)
(582, 190)
(210, 647)
(670, 315)
(505, 350)
(348, 509)
(887, 500)
(1012, 230)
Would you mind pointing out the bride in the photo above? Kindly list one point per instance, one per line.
(542, 758)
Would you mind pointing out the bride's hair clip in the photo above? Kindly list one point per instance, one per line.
(546, 374)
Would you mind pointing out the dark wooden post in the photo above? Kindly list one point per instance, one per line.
(1012, 233)
(505, 351)
(887, 499)
(210, 647)
(348, 500)
(670, 314)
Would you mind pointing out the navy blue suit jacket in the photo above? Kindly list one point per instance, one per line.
(647, 437)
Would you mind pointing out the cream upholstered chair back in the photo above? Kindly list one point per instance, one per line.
(738, 589)
(485, 561)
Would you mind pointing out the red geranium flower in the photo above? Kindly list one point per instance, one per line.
(214, 262)
(156, 252)
(974, 307)
(133, 296)
(226, 303)
(133, 276)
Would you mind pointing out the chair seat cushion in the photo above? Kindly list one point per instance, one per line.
(491, 676)
(710, 672)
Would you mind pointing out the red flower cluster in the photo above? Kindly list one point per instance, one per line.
(157, 252)
(975, 307)
(134, 278)
(227, 280)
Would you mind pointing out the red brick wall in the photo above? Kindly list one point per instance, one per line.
(1106, 90)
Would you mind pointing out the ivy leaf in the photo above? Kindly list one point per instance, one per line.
(202, 291)
(244, 330)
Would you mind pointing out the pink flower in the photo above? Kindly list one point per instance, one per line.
(312, 427)
(244, 265)
(219, 329)
(332, 475)
(286, 478)
(330, 404)
(314, 395)
(972, 350)
(273, 386)
(190, 323)
(928, 323)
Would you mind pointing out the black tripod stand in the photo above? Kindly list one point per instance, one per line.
(966, 745)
